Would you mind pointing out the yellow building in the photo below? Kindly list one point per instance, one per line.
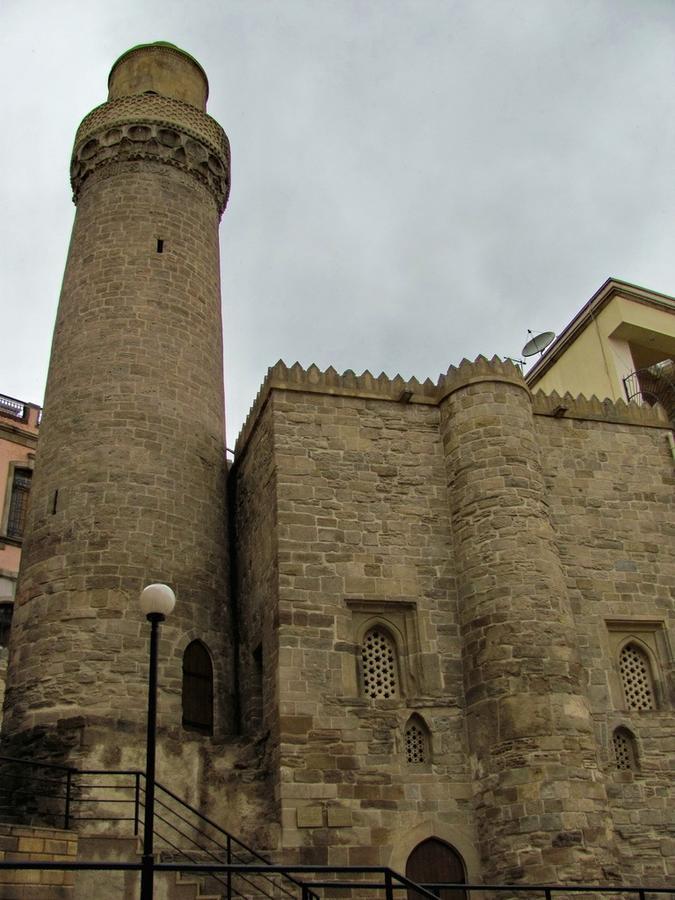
(620, 345)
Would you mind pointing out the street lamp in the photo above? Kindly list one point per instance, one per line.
(157, 602)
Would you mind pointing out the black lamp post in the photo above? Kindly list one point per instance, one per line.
(157, 602)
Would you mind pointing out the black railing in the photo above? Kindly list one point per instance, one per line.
(383, 879)
(653, 384)
(191, 843)
(34, 792)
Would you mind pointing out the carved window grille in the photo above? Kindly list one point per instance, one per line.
(197, 689)
(636, 678)
(18, 504)
(625, 754)
(378, 661)
(416, 746)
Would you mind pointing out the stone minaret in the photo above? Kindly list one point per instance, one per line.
(130, 481)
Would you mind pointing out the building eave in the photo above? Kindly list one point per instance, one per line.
(611, 288)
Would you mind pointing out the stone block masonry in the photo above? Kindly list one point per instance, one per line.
(31, 844)
(459, 519)
(441, 612)
(132, 437)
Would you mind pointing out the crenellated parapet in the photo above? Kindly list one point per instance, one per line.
(595, 410)
(467, 373)
(330, 381)
(480, 370)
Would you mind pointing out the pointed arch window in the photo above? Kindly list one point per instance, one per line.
(197, 689)
(416, 742)
(636, 677)
(379, 665)
(625, 751)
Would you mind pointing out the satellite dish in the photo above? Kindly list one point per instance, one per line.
(538, 343)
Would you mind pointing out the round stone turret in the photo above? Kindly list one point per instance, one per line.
(129, 485)
(541, 805)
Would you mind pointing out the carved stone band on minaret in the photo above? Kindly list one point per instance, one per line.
(158, 129)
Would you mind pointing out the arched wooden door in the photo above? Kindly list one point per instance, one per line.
(434, 861)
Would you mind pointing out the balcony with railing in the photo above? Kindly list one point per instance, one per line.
(653, 384)
(19, 411)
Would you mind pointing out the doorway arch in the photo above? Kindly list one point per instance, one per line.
(434, 861)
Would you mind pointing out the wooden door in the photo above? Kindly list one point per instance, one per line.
(435, 861)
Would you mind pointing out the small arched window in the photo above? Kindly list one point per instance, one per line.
(197, 689)
(636, 677)
(416, 741)
(625, 752)
(379, 665)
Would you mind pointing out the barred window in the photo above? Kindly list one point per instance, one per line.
(416, 743)
(625, 754)
(636, 677)
(378, 661)
(18, 504)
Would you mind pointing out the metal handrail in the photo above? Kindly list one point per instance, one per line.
(388, 875)
(233, 846)
(226, 849)
(230, 837)
(212, 823)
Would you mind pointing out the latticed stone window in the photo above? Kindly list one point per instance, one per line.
(378, 663)
(625, 755)
(416, 750)
(636, 678)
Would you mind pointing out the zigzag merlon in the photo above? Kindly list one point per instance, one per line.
(481, 369)
(348, 384)
(594, 409)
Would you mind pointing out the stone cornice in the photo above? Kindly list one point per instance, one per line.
(160, 129)
(399, 390)
(17, 435)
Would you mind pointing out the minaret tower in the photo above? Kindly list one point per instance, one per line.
(129, 484)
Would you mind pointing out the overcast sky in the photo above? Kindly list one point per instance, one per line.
(413, 182)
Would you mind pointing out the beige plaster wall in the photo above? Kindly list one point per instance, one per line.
(600, 357)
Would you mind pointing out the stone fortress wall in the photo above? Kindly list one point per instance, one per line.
(507, 546)
(450, 604)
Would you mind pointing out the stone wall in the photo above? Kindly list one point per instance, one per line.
(130, 483)
(465, 521)
(610, 490)
(31, 844)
